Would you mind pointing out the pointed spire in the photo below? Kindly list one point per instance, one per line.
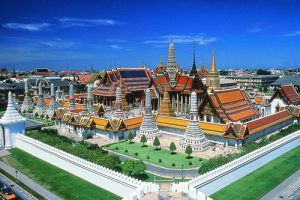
(40, 89)
(161, 61)
(213, 68)
(194, 68)
(142, 64)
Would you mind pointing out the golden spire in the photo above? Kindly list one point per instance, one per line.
(213, 68)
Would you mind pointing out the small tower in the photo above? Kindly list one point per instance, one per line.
(194, 135)
(148, 127)
(71, 99)
(90, 99)
(212, 79)
(58, 93)
(40, 107)
(27, 103)
(118, 113)
(53, 104)
(84, 110)
(11, 124)
(165, 108)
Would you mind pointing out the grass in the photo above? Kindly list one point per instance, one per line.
(55, 179)
(154, 155)
(44, 121)
(148, 177)
(22, 185)
(258, 183)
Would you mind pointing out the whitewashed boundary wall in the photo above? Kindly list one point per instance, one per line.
(124, 186)
(224, 175)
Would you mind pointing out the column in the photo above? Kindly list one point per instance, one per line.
(177, 103)
(185, 104)
(173, 102)
(181, 104)
(204, 118)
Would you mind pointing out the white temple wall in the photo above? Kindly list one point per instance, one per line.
(115, 182)
(224, 175)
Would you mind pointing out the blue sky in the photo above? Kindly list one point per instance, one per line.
(78, 34)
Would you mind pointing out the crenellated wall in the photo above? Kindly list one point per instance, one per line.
(115, 182)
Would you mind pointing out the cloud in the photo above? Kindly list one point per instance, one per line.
(71, 22)
(292, 34)
(114, 46)
(28, 27)
(115, 40)
(255, 30)
(201, 39)
(58, 43)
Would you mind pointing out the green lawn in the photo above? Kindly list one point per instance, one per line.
(258, 183)
(54, 179)
(165, 155)
(150, 177)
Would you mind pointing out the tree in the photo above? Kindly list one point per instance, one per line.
(189, 151)
(143, 139)
(130, 137)
(172, 147)
(133, 167)
(263, 72)
(36, 114)
(156, 142)
(47, 117)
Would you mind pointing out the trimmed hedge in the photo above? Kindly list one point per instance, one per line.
(90, 152)
(247, 148)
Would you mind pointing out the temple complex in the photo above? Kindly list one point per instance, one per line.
(148, 126)
(27, 104)
(194, 135)
(11, 124)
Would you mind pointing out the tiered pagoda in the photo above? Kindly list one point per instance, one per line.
(40, 107)
(27, 103)
(194, 135)
(118, 112)
(53, 104)
(165, 108)
(148, 127)
(71, 99)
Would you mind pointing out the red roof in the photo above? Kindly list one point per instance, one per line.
(290, 94)
(84, 78)
(233, 104)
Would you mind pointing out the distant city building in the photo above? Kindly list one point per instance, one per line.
(255, 81)
(42, 72)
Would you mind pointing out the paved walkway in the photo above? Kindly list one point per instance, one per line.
(30, 183)
(284, 189)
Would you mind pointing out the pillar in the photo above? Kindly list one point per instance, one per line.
(185, 104)
(177, 103)
(181, 104)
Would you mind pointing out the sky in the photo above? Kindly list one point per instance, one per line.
(109, 34)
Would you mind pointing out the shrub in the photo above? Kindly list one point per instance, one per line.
(130, 137)
(42, 116)
(148, 157)
(136, 153)
(126, 151)
(143, 139)
(189, 151)
(160, 160)
(117, 148)
(200, 159)
(133, 167)
(156, 142)
(190, 163)
(172, 147)
(173, 164)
